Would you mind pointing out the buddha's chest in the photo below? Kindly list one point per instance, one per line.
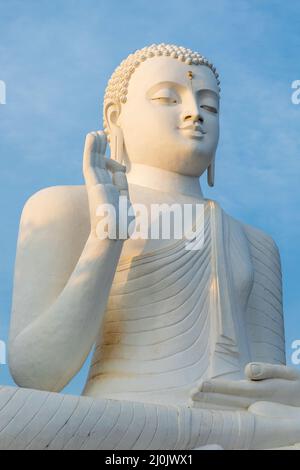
(224, 248)
(166, 277)
(134, 248)
(172, 311)
(160, 220)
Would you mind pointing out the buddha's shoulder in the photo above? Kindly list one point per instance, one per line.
(265, 255)
(258, 239)
(56, 203)
(261, 242)
(254, 234)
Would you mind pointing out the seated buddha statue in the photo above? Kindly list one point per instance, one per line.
(188, 345)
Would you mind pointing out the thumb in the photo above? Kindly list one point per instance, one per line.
(262, 371)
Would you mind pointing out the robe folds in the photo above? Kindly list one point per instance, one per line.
(178, 316)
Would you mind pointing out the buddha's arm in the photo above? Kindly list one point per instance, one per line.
(54, 342)
(264, 317)
(60, 295)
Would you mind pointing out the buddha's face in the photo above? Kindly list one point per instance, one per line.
(171, 117)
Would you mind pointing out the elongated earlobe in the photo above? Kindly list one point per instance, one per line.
(117, 145)
(211, 173)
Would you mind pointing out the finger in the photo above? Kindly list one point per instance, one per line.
(101, 142)
(89, 157)
(120, 181)
(103, 176)
(114, 166)
(229, 387)
(94, 149)
(262, 371)
(89, 149)
(219, 400)
(94, 164)
(89, 171)
(274, 410)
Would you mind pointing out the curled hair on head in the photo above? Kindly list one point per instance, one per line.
(117, 87)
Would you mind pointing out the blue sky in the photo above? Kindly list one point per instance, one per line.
(56, 58)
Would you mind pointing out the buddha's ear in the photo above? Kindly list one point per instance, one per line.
(112, 113)
(211, 173)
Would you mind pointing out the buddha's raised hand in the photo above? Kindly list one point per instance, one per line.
(105, 181)
(264, 382)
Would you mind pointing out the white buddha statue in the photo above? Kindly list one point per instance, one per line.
(188, 344)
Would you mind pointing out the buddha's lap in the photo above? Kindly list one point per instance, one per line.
(38, 420)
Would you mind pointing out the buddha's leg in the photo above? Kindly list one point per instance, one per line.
(40, 420)
(229, 429)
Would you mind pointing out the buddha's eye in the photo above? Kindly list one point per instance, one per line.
(164, 100)
(211, 109)
(165, 97)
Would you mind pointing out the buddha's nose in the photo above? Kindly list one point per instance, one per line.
(193, 117)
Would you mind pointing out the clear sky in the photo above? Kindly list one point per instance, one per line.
(56, 57)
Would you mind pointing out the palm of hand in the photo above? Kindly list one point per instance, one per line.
(106, 182)
(264, 383)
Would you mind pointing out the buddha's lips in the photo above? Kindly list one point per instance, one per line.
(193, 131)
(191, 127)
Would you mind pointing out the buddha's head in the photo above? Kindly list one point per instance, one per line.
(161, 108)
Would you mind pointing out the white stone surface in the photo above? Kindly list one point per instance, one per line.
(189, 345)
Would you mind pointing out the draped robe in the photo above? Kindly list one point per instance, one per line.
(175, 316)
